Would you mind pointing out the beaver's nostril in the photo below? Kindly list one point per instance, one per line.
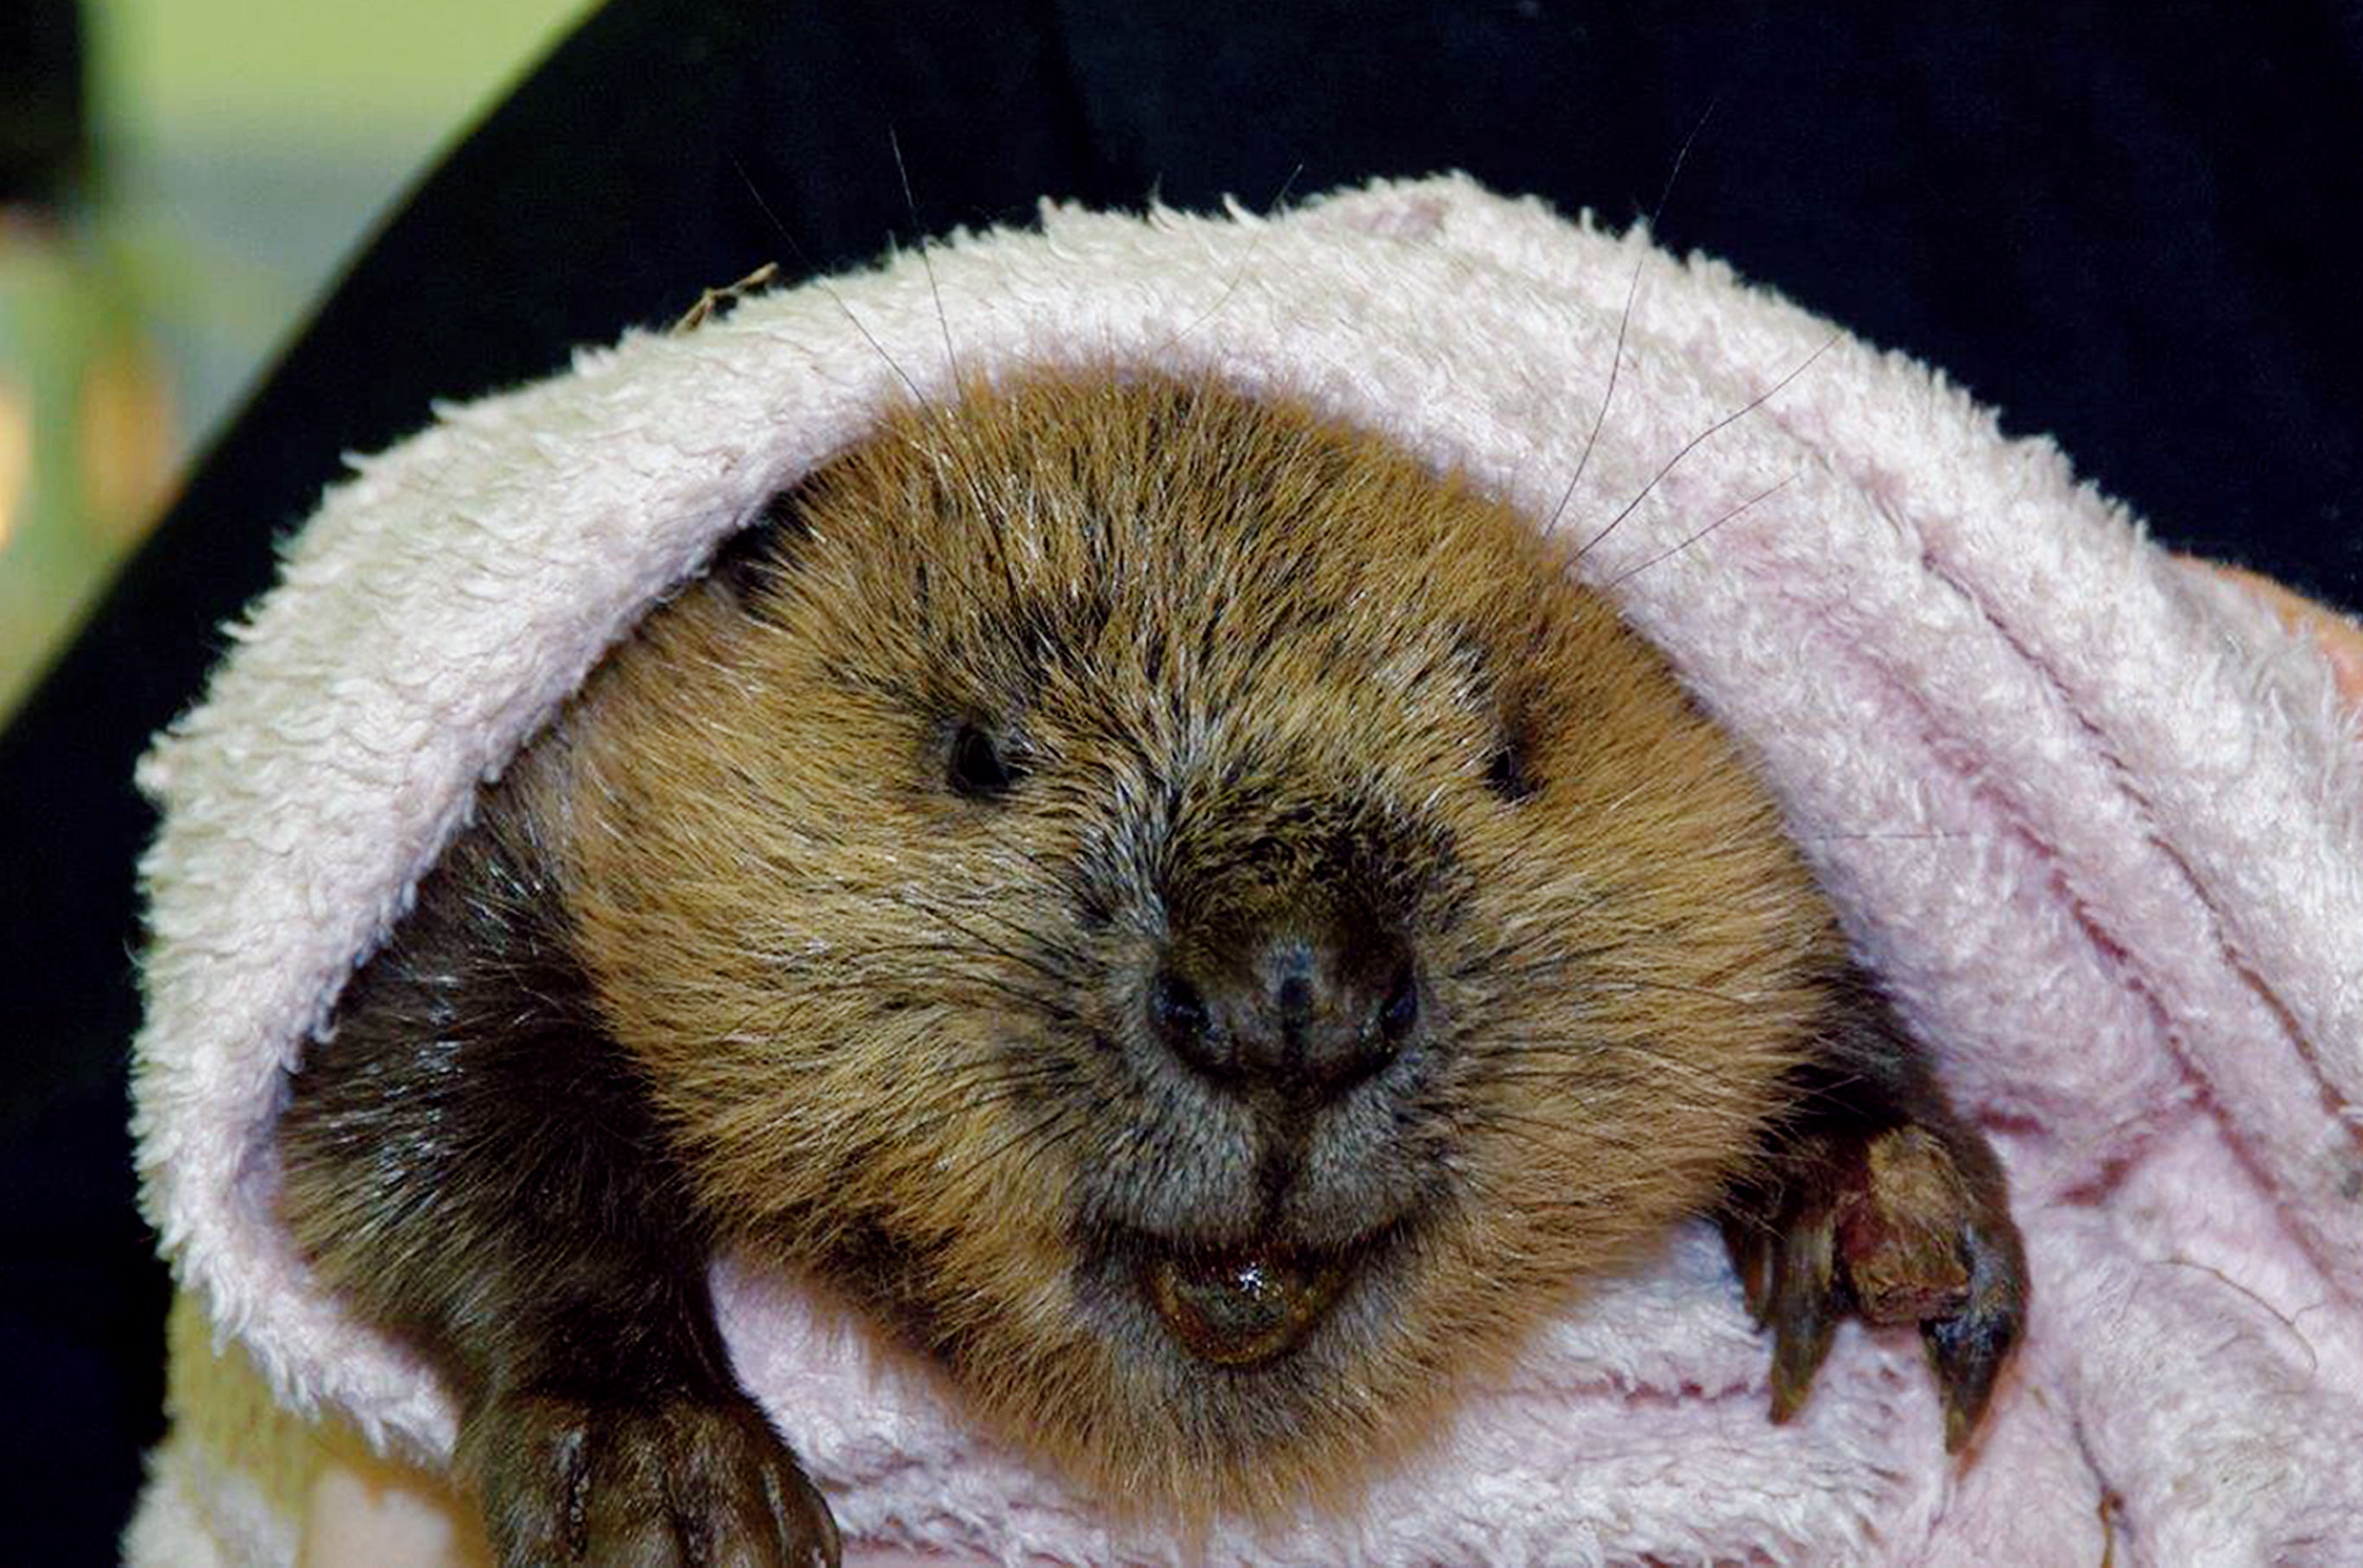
(1175, 1008)
(1307, 1016)
(1293, 998)
(1400, 1014)
(1177, 1016)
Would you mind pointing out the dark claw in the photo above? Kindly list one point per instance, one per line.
(1966, 1349)
(1803, 1305)
(680, 1482)
(1750, 1245)
(1907, 1225)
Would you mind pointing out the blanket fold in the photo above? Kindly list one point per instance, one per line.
(2093, 817)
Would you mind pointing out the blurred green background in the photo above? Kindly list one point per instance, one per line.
(238, 151)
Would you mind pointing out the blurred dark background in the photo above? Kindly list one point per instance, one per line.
(2128, 227)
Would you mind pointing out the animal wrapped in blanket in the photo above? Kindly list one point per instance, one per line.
(1112, 893)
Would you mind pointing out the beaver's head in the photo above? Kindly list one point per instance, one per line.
(1196, 918)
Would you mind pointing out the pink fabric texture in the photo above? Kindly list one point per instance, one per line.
(2096, 820)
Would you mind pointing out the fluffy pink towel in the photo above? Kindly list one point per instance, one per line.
(2092, 816)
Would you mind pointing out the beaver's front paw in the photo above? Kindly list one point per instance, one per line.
(668, 1482)
(1909, 1225)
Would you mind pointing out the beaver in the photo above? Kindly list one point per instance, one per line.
(1198, 925)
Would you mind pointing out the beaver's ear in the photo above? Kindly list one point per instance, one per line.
(750, 563)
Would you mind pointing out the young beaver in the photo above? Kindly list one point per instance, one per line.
(1198, 925)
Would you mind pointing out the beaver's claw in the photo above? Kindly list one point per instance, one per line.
(1902, 1226)
(671, 1482)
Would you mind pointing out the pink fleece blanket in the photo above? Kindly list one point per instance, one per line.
(2093, 817)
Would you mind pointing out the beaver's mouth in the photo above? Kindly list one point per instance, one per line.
(1236, 1308)
(1245, 1305)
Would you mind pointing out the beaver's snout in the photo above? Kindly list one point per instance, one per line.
(1288, 1166)
(1297, 1010)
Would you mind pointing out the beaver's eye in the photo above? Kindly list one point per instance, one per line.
(1507, 771)
(979, 768)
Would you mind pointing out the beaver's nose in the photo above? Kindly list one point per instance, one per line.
(1306, 1012)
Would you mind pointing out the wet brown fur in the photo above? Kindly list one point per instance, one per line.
(887, 1032)
(832, 966)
